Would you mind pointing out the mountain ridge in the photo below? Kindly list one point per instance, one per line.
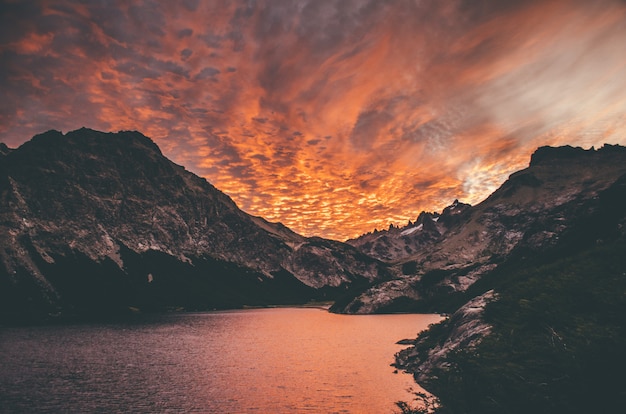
(97, 224)
(542, 330)
(89, 202)
(530, 210)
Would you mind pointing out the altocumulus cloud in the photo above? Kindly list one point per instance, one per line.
(331, 116)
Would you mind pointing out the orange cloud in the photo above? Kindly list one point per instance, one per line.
(334, 117)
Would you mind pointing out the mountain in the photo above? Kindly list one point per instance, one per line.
(442, 256)
(95, 223)
(542, 329)
(398, 243)
(548, 338)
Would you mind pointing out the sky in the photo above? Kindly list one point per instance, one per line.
(334, 117)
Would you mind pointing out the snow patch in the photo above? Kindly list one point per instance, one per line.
(412, 230)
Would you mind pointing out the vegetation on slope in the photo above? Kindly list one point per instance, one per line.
(557, 343)
(558, 328)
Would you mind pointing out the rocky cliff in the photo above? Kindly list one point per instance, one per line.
(547, 337)
(464, 331)
(543, 329)
(398, 243)
(94, 222)
(438, 261)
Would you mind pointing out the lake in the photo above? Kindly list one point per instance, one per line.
(280, 360)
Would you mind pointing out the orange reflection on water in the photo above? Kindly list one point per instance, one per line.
(301, 360)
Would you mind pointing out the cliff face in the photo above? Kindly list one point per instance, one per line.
(93, 222)
(464, 331)
(543, 330)
(548, 337)
(399, 243)
(530, 212)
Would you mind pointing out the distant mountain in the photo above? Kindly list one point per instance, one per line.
(398, 243)
(441, 255)
(94, 223)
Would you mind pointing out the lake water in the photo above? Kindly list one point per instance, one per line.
(284, 360)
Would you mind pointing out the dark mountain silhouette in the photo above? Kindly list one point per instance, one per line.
(534, 278)
(439, 259)
(96, 223)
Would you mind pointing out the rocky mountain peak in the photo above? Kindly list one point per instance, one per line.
(454, 213)
(426, 216)
(90, 212)
(399, 242)
(546, 155)
(4, 150)
(91, 142)
(532, 211)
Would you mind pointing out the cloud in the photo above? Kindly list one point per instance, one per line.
(185, 33)
(207, 73)
(191, 5)
(332, 116)
(212, 40)
(186, 54)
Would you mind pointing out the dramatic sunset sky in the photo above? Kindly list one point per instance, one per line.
(333, 117)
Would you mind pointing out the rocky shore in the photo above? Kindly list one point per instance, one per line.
(465, 329)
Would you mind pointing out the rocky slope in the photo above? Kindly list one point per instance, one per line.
(466, 328)
(549, 334)
(544, 330)
(398, 243)
(94, 222)
(529, 212)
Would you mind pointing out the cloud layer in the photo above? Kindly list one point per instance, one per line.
(334, 117)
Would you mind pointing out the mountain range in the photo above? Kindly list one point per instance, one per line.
(442, 254)
(97, 223)
(533, 279)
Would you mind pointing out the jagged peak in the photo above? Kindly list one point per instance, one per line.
(128, 137)
(49, 134)
(425, 216)
(547, 154)
(4, 149)
(54, 139)
(425, 220)
(455, 208)
(609, 148)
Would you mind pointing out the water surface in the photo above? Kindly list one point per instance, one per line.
(286, 360)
